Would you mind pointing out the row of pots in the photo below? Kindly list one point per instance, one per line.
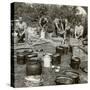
(34, 66)
(68, 77)
(31, 60)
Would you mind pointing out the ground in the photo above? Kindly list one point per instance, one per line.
(48, 75)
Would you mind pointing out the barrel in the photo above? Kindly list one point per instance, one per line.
(63, 80)
(73, 75)
(33, 67)
(75, 63)
(56, 60)
(59, 50)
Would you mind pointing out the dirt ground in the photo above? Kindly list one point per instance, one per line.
(49, 75)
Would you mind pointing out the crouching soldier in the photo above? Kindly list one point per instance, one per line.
(21, 27)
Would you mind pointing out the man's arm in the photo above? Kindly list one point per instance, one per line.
(24, 27)
(57, 26)
(82, 29)
(75, 32)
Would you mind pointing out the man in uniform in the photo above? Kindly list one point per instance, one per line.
(43, 25)
(79, 29)
(21, 27)
(58, 27)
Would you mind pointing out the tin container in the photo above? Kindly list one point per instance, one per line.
(20, 58)
(75, 63)
(56, 59)
(47, 60)
(60, 50)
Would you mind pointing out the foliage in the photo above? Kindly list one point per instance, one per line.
(33, 12)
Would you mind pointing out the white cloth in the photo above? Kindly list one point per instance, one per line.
(47, 61)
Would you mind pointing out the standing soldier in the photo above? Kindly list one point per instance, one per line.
(21, 27)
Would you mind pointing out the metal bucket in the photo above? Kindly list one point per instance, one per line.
(59, 50)
(20, 58)
(75, 63)
(56, 59)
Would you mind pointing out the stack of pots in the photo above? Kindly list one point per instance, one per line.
(56, 59)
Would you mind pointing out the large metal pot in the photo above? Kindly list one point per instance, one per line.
(33, 67)
(75, 63)
(73, 75)
(63, 80)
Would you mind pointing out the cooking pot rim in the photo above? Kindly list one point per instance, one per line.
(59, 78)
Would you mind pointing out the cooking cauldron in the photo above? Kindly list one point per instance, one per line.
(33, 67)
(63, 80)
(73, 75)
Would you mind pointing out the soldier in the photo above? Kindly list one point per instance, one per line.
(79, 29)
(21, 27)
(58, 27)
(43, 25)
